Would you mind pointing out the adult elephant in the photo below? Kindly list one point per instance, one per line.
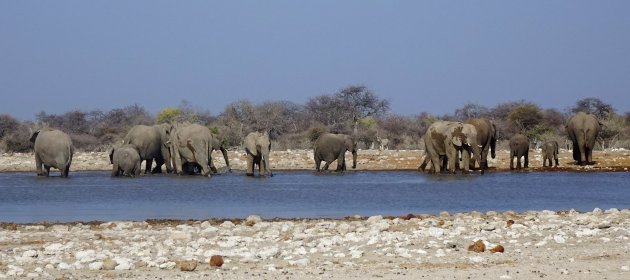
(447, 139)
(125, 160)
(549, 152)
(330, 147)
(583, 129)
(487, 138)
(150, 142)
(191, 144)
(258, 147)
(519, 147)
(53, 148)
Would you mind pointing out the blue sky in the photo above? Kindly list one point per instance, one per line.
(432, 56)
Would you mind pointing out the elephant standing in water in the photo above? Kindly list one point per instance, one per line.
(193, 168)
(519, 147)
(330, 147)
(444, 140)
(150, 142)
(549, 152)
(191, 144)
(583, 129)
(53, 148)
(125, 160)
(487, 138)
(258, 146)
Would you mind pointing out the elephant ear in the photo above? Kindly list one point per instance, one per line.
(34, 136)
(457, 141)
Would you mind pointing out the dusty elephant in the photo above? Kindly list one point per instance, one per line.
(330, 147)
(583, 129)
(125, 160)
(549, 152)
(519, 147)
(444, 140)
(257, 147)
(487, 138)
(190, 168)
(191, 144)
(150, 142)
(53, 148)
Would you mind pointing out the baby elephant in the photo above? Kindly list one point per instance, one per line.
(550, 151)
(519, 147)
(126, 161)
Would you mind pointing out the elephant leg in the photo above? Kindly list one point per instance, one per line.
(318, 162)
(147, 169)
(212, 167)
(38, 165)
(115, 170)
(250, 165)
(326, 166)
(467, 159)
(555, 157)
(137, 169)
(527, 159)
(261, 166)
(512, 155)
(424, 163)
(436, 162)
(589, 155)
(484, 158)
(65, 171)
(545, 159)
(158, 166)
(340, 162)
(46, 170)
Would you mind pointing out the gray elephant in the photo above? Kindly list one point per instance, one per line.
(125, 160)
(258, 147)
(53, 148)
(583, 129)
(487, 138)
(549, 152)
(150, 142)
(190, 168)
(445, 140)
(330, 147)
(191, 144)
(519, 147)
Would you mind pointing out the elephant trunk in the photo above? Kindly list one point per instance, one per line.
(225, 156)
(354, 158)
(267, 166)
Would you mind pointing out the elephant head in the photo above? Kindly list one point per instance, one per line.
(217, 144)
(464, 136)
(351, 146)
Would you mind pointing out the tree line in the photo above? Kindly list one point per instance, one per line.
(354, 110)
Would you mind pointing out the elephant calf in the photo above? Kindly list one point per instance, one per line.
(258, 147)
(550, 151)
(53, 148)
(519, 147)
(126, 161)
(330, 147)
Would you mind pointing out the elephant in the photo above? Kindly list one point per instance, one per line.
(487, 138)
(150, 142)
(257, 147)
(190, 144)
(519, 147)
(549, 152)
(53, 148)
(125, 160)
(583, 129)
(330, 147)
(444, 140)
(193, 168)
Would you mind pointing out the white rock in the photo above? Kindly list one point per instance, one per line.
(374, 219)
(505, 276)
(14, 270)
(476, 259)
(124, 265)
(168, 265)
(339, 255)
(541, 243)
(227, 224)
(586, 232)
(300, 262)
(53, 248)
(597, 211)
(440, 253)
(253, 219)
(269, 252)
(30, 254)
(32, 275)
(356, 254)
(64, 266)
(96, 266)
(559, 239)
(85, 256)
(625, 268)
(436, 232)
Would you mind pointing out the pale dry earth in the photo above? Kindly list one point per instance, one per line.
(614, 160)
(537, 245)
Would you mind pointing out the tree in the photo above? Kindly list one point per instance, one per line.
(470, 111)
(594, 106)
(8, 124)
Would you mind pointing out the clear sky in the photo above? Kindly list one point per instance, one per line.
(432, 56)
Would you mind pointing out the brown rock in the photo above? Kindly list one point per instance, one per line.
(187, 265)
(497, 249)
(109, 264)
(407, 217)
(478, 247)
(216, 261)
(510, 223)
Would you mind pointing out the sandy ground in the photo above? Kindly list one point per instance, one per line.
(618, 160)
(542, 244)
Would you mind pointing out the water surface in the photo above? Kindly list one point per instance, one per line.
(86, 196)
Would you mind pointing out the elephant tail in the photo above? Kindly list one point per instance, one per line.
(70, 152)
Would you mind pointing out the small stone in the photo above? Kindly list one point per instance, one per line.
(625, 268)
(30, 254)
(168, 265)
(216, 261)
(478, 247)
(300, 262)
(559, 239)
(109, 264)
(436, 232)
(252, 220)
(497, 249)
(476, 259)
(64, 266)
(187, 265)
(509, 223)
(407, 217)
(96, 266)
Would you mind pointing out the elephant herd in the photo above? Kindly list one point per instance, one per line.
(187, 148)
